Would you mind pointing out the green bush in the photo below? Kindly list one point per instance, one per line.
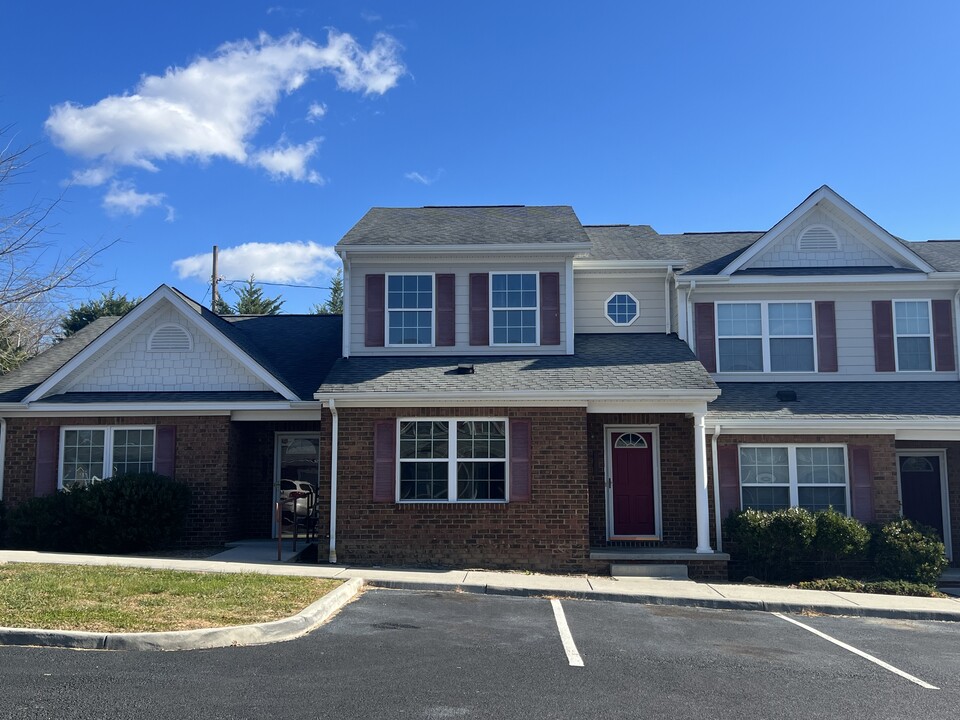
(880, 587)
(127, 513)
(839, 538)
(903, 550)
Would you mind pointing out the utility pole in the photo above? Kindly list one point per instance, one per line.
(213, 282)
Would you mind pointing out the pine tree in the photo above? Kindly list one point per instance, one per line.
(109, 303)
(250, 301)
(222, 307)
(334, 304)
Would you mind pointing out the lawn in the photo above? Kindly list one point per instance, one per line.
(112, 599)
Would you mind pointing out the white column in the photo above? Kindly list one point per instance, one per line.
(703, 503)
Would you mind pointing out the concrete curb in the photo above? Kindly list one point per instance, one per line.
(709, 603)
(259, 634)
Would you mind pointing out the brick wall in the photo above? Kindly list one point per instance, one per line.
(548, 533)
(677, 478)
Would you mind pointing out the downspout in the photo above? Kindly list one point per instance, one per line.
(667, 305)
(717, 520)
(3, 451)
(334, 444)
(346, 339)
(690, 333)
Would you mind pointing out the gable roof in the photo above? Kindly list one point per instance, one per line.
(426, 227)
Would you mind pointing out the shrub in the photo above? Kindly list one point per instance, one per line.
(127, 513)
(772, 546)
(881, 587)
(903, 550)
(839, 538)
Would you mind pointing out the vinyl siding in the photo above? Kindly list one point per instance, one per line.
(594, 289)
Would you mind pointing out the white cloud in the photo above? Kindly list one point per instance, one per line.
(293, 262)
(423, 179)
(123, 199)
(285, 161)
(171, 214)
(316, 111)
(213, 107)
(92, 177)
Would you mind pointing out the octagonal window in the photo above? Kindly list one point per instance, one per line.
(622, 309)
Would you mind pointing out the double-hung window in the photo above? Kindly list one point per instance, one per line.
(515, 301)
(452, 460)
(813, 477)
(914, 339)
(765, 337)
(409, 309)
(88, 454)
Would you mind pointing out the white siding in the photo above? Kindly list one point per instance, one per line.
(854, 313)
(125, 365)
(594, 288)
(461, 268)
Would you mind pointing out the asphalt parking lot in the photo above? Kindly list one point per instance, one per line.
(447, 655)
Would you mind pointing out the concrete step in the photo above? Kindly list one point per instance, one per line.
(649, 570)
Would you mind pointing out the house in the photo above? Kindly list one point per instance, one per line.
(511, 388)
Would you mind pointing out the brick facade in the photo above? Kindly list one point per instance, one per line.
(548, 533)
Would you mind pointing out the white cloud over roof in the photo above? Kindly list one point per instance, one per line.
(292, 262)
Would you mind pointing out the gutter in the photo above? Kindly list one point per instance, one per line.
(3, 451)
(716, 487)
(334, 445)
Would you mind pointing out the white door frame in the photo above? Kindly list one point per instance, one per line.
(278, 435)
(608, 431)
(944, 490)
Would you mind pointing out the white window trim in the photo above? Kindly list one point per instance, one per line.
(897, 336)
(765, 335)
(452, 459)
(536, 310)
(654, 430)
(792, 465)
(606, 311)
(107, 446)
(388, 310)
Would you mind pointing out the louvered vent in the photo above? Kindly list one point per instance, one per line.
(170, 338)
(817, 238)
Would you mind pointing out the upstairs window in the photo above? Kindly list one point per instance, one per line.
(622, 309)
(766, 337)
(914, 339)
(410, 310)
(514, 299)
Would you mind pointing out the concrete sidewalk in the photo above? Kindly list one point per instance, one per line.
(727, 596)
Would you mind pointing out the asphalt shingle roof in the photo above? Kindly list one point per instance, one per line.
(628, 362)
(944, 255)
(838, 400)
(160, 397)
(480, 225)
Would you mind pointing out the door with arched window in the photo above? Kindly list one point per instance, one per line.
(922, 489)
(632, 484)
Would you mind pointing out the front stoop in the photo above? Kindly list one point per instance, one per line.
(663, 563)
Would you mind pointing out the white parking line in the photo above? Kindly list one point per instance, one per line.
(569, 647)
(861, 653)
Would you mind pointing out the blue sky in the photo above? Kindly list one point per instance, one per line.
(270, 129)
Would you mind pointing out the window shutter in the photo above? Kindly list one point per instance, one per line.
(446, 311)
(943, 335)
(384, 461)
(164, 460)
(550, 308)
(826, 336)
(706, 335)
(521, 434)
(883, 352)
(728, 469)
(374, 311)
(861, 482)
(479, 309)
(48, 457)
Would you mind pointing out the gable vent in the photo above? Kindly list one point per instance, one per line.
(818, 238)
(170, 338)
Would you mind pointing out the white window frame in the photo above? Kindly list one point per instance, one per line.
(108, 431)
(794, 489)
(606, 311)
(897, 336)
(765, 335)
(452, 460)
(493, 310)
(388, 310)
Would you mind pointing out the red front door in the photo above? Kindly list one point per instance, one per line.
(633, 499)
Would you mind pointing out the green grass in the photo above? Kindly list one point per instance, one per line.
(112, 599)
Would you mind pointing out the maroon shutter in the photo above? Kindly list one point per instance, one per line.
(374, 311)
(164, 462)
(446, 310)
(550, 308)
(48, 458)
(728, 469)
(521, 435)
(479, 309)
(384, 460)
(861, 482)
(826, 336)
(943, 335)
(706, 335)
(883, 351)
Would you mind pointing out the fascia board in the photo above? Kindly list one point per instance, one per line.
(741, 280)
(481, 248)
(572, 398)
(149, 408)
(626, 264)
(847, 426)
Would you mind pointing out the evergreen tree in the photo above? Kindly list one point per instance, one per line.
(334, 304)
(109, 303)
(222, 307)
(250, 301)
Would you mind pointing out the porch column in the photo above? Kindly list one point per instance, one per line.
(703, 503)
